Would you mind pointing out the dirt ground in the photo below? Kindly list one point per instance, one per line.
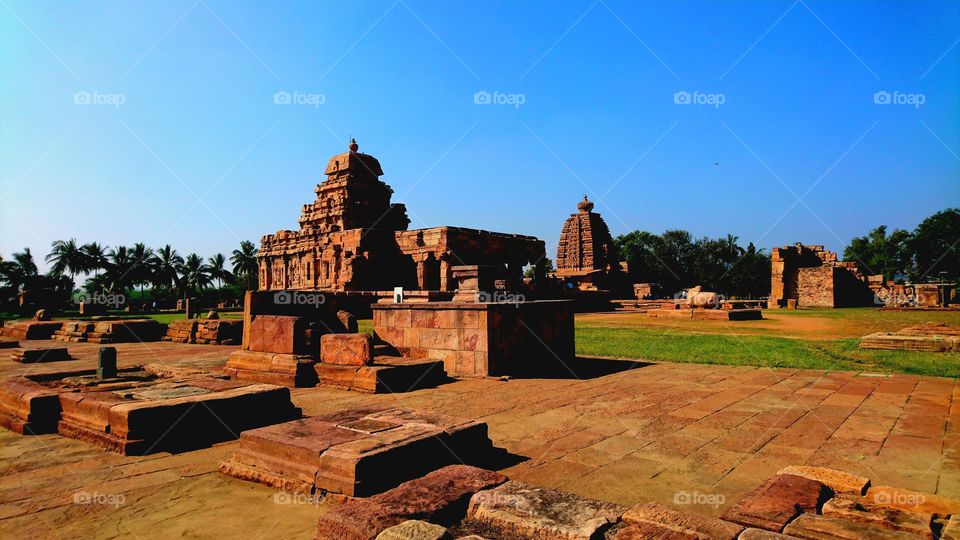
(801, 324)
(614, 430)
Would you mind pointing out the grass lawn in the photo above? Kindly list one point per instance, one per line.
(814, 339)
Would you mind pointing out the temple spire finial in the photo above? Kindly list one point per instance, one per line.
(585, 205)
(353, 145)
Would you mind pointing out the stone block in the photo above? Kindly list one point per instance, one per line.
(549, 514)
(438, 497)
(32, 356)
(912, 501)
(855, 508)
(415, 530)
(816, 527)
(346, 349)
(838, 481)
(778, 501)
(278, 334)
(667, 520)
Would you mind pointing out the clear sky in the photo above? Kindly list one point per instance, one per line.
(161, 122)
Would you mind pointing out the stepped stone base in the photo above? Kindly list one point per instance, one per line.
(115, 331)
(929, 337)
(205, 331)
(30, 329)
(290, 370)
(32, 356)
(355, 453)
(387, 374)
(143, 409)
(746, 314)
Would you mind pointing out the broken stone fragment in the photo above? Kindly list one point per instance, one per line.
(777, 501)
(912, 501)
(665, 519)
(814, 526)
(760, 534)
(838, 481)
(549, 514)
(415, 530)
(859, 509)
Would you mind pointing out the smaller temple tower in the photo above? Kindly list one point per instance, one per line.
(586, 253)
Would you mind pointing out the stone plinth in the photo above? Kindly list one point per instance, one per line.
(356, 453)
(479, 340)
(205, 331)
(143, 409)
(387, 374)
(115, 331)
(346, 349)
(30, 329)
(671, 311)
(33, 356)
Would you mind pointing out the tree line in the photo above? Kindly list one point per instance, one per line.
(675, 260)
(122, 269)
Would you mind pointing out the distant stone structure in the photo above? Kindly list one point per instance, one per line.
(352, 238)
(811, 276)
(586, 254)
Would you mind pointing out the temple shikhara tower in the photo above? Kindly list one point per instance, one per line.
(353, 238)
(586, 254)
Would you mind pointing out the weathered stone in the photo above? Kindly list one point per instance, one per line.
(31, 356)
(41, 315)
(278, 334)
(536, 512)
(346, 349)
(838, 481)
(777, 501)
(99, 330)
(951, 529)
(829, 528)
(439, 497)
(357, 452)
(760, 534)
(415, 530)
(811, 276)
(667, 519)
(647, 531)
(855, 508)
(912, 501)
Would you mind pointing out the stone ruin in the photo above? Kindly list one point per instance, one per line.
(928, 337)
(212, 331)
(811, 276)
(140, 409)
(586, 254)
(352, 238)
(109, 331)
(913, 295)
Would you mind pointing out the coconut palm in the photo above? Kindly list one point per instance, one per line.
(143, 269)
(216, 270)
(20, 271)
(166, 264)
(95, 256)
(244, 262)
(119, 269)
(68, 257)
(193, 275)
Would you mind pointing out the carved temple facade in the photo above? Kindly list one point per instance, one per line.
(352, 238)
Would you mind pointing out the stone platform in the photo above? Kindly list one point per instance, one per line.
(929, 337)
(387, 374)
(205, 331)
(143, 409)
(683, 312)
(30, 329)
(290, 370)
(356, 452)
(109, 331)
(40, 354)
(8, 343)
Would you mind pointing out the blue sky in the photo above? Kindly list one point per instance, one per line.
(156, 121)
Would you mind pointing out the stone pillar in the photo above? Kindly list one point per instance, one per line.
(421, 273)
(107, 363)
(446, 280)
(472, 280)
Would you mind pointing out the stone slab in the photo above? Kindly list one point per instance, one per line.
(37, 355)
(290, 370)
(385, 375)
(438, 497)
(817, 527)
(549, 514)
(777, 501)
(415, 529)
(346, 349)
(912, 501)
(666, 520)
(838, 481)
(854, 508)
(357, 452)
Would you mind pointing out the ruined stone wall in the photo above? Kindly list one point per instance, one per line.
(814, 277)
(815, 287)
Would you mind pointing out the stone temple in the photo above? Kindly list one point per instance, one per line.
(353, 238)
(586, 254)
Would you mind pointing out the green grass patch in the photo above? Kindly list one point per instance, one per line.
(758, 351)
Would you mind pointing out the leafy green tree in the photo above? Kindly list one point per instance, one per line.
(68, 257)
(878, 253)
(216, 270)
(143, 266)
(935, 246)
(95, 257)
(245, 266)
(193, 275)
(166, 265)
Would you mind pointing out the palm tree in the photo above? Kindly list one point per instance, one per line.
(119, 269)
(244, 262)
(20, 270)
(96, 257)
(142, 271)
(193, 275)
(216, 270)
(68, 257)
(166, 265)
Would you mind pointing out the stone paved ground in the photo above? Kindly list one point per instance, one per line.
(672, 433)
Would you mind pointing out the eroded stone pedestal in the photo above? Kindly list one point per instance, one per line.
(36, 355)
(356, 453)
